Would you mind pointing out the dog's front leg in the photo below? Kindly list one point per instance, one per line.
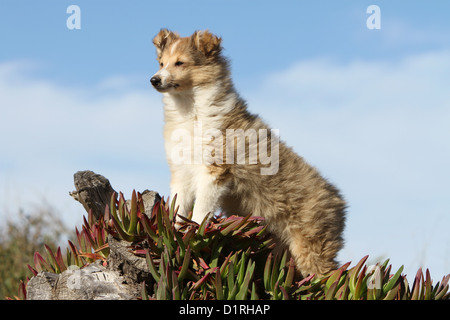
(207, 196)
(182, 186)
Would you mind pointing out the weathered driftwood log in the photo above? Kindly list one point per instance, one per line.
(124, 272)
(93, 282)
(93, 191)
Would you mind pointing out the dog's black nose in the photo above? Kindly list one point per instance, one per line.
(155, 81)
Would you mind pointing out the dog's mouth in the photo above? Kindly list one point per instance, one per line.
(167, 87)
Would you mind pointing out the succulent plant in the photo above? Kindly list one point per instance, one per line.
(223, 258)
(92, 246)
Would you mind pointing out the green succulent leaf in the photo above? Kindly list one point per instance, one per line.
(243, 292)
(132, 228)
(393, 281)
(152, 267)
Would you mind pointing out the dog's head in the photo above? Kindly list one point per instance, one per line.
(185, 62)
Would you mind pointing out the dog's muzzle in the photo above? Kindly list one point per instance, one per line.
(155, 81)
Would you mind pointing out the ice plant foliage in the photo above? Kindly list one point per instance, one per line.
(224, 258)
(92, 246)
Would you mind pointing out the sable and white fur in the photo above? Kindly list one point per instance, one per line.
(303, 209)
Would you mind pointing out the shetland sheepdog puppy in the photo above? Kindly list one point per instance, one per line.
(222, 157)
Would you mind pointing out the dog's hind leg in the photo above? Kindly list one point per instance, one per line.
(313, 255)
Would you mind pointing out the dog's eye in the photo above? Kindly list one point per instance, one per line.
(161, 64)
(179, 63)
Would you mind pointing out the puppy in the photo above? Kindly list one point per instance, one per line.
(222, 157)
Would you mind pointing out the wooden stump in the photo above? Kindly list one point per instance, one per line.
(93, 282)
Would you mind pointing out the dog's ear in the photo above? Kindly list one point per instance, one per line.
(163, 39)
(207, 43)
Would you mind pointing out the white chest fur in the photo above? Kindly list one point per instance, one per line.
(190, 118)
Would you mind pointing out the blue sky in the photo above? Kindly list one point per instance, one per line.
(369, 108)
